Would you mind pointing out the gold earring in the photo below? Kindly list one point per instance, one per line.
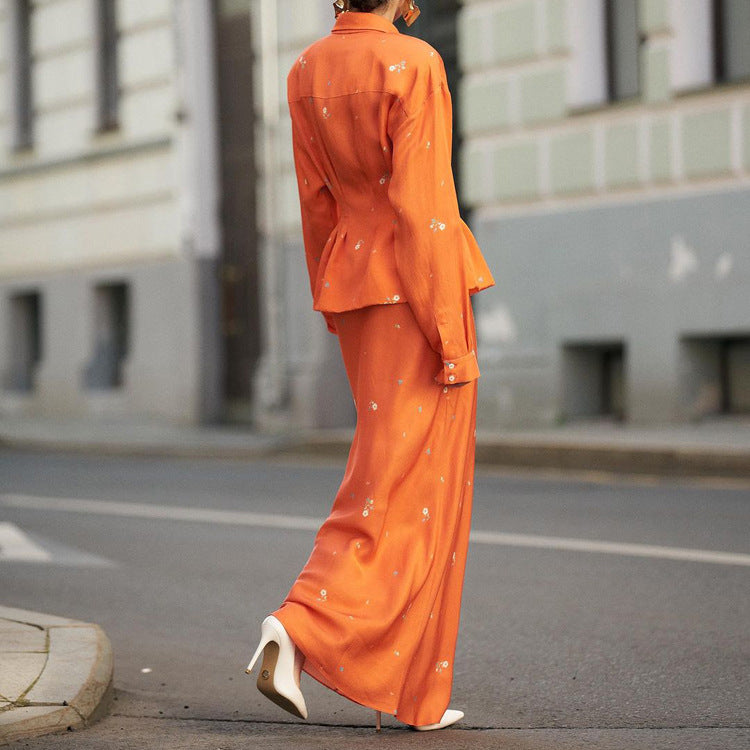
(340, 6)
(409, 12)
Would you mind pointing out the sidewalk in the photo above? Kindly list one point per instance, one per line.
(134, 438)
(712, 448)
(55, 673)
(720, 448)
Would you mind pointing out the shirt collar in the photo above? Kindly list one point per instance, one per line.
(361, 20)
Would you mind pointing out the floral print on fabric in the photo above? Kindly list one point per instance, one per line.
(410, 219)
(376, 608)
(396, 538)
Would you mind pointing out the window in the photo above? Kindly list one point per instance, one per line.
(20, 71)
(25, 341)
(106, 57)
(605, 44)
(715, 373)
(593, 380)
(710, 43)
(111, 323)
(623, 42)
(731, 40)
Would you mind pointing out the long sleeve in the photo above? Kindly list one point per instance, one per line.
(318, 210)
(429, 230)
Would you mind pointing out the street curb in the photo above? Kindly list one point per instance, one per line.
(568, 452)
(573, 455)
(144, 450)
(74, 688)
(681, 461)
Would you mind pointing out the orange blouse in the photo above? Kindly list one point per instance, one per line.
(371, 134)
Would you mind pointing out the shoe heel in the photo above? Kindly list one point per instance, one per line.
(266, 636)
(377, 721)
(282, 665)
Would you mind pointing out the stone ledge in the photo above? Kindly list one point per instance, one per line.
(73, 688)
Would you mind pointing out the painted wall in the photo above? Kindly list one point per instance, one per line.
(134, 205)
(623, 222)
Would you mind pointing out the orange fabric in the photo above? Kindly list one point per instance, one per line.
(376, 607)
(371, 134)
(392, 267)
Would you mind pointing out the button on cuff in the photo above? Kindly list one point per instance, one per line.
(459, 369)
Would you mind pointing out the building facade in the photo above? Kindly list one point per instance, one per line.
(606, 161)
(116, 271)
(604, 166)
(151, 261)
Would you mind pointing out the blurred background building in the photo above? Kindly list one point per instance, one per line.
(151, 262)
(606, 159)
(110, 233)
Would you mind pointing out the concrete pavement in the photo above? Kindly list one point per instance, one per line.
(55, 673)
(718, 447)
(134, 438)
(559, 648)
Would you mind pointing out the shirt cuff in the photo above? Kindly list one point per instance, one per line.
(459, 370)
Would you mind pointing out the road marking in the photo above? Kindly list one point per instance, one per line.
(610, 548)
(164, 512)
(307, 523)
(15, 545)
(18, 546)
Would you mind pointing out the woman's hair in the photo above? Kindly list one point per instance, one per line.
(366, 5)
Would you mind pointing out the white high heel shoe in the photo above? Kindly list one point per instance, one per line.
(280, 671)
(451, 716)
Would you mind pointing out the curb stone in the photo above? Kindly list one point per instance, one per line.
(716, 450)
(516, 451)
(55, 674)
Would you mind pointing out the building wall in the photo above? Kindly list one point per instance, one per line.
(83, 198)
(600, 221)
(132, 205)
(618, 225)
(301, 381)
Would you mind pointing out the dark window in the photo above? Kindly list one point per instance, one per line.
(734, 375)
(623, 42)
(731, 40)
(716, 375)
(594, 380)
(25, 341)
(107, 77)
(21, 62)
(111, 334)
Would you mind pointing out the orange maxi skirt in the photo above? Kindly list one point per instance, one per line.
(376, 608)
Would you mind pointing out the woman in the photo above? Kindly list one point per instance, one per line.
(374, 614)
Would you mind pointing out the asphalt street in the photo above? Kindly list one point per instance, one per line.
(592, 616)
